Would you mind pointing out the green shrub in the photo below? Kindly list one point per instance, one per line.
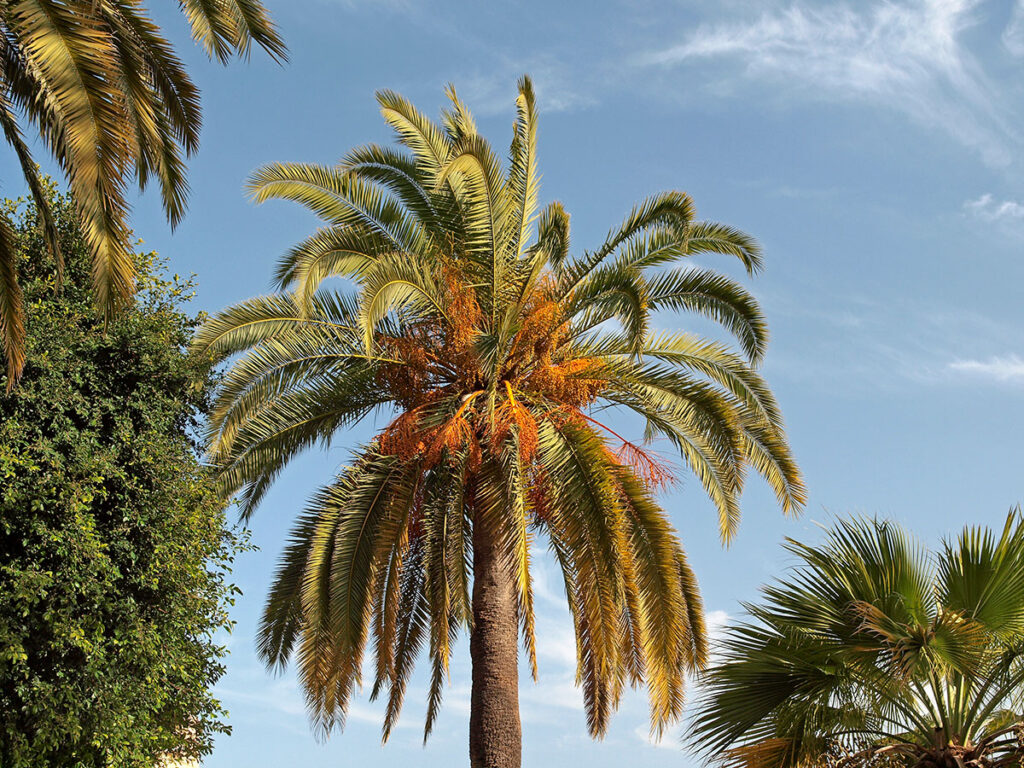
(113, 546)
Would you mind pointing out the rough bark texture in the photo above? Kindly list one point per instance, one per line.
(495, 736)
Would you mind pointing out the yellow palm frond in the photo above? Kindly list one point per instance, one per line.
(111, 101)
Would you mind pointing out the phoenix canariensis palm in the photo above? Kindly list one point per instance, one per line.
(876, 652)
(493, 349)
(110, 99)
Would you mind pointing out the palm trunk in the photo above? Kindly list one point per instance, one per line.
(495, 736)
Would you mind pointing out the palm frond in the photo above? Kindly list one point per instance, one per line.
(12, 309)
(111, 99)
(870, 648)
(224, 28)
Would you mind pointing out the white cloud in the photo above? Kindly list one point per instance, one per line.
(669, 740)
(864, 343)
(1013, 35)
(493, 93)
(374, 6)
(556, 643)
(904, 56)
(1007, 369)
(281, 696)
(716, 622)
(284, 698)
(560, 692)
(987, 208)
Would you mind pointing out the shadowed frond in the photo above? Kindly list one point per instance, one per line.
(12, 313)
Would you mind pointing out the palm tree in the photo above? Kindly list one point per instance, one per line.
(110, 99)
(877, 652)
(494, 351)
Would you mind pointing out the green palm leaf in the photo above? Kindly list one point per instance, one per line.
(875, 649)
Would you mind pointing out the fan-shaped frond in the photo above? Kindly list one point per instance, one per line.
(869, 650)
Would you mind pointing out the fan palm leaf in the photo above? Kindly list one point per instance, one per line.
(876, 651)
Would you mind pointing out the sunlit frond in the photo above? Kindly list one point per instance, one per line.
(224, 28)
(112, 103)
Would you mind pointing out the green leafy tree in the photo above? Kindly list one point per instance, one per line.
(494, 350)
(877, 652)
(114, 554)
(110, 100)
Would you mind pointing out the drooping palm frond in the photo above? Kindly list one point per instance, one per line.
(12, 312)
(494, 349)
(225, 27)
(876, 651)
(110, 100)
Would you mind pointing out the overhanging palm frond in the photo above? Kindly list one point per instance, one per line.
(224, 28)
(12, 312)
(111, 100)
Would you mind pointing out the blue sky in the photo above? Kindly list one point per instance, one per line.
(873, 148)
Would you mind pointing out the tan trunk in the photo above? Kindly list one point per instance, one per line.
(495, 736)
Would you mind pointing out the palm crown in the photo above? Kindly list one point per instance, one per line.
(494, 350)
(877, 652)
(110, 100)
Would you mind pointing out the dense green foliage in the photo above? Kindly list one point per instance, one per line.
(112, 579)
(877, 652)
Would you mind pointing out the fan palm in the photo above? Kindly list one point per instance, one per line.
(877, 652)
(494, 351)
(110, 99)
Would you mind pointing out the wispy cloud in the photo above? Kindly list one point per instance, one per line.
(1013, 35)
(374, 6)
(283, 697)
(865, 343)
(905, 56)
(279, 696)
(669, 740)
(772, 188)
(987, 208)
(1008, 369)
(555, 85)
(716, 622)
